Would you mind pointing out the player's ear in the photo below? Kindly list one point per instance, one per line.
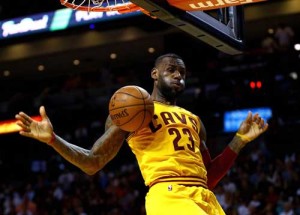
(154, 74)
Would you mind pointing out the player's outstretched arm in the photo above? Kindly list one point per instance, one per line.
(252, 127)
(89, 161)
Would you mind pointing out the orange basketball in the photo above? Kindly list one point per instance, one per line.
(131, 108)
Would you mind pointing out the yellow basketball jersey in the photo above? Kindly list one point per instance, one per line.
(168, 150)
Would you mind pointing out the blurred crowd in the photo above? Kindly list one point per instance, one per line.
(259, 183)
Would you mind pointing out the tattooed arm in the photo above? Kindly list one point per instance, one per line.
(89, 161)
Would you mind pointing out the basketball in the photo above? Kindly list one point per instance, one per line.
(131, 108)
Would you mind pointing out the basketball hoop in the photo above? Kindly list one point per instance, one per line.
(121, 6)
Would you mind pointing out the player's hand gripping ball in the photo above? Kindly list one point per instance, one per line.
(131, 108)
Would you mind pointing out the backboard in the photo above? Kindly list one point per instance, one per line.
(221, 28)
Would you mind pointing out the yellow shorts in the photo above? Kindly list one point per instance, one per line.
(170, 198)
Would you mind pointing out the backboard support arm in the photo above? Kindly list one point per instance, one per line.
(226, 37)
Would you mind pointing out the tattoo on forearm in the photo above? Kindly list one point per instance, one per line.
(103, 150)
(236, 145)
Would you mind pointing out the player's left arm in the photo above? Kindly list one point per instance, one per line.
(252, 127)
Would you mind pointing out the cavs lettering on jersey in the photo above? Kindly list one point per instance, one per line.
(168, 149)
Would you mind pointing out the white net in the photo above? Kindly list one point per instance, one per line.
(101, 5)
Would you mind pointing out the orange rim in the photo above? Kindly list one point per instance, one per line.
(122, 8)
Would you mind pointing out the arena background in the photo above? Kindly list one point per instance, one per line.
(74, 72)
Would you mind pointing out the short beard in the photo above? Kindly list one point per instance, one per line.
(170, 93)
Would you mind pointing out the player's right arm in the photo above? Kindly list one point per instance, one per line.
(90, 161)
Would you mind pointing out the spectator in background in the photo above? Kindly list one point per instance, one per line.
(284, 35)
(288, 209)
(269, 43)
(26, 207)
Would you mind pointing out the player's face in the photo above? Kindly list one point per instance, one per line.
(171, 77)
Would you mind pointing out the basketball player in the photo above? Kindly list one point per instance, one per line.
(171, 152)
